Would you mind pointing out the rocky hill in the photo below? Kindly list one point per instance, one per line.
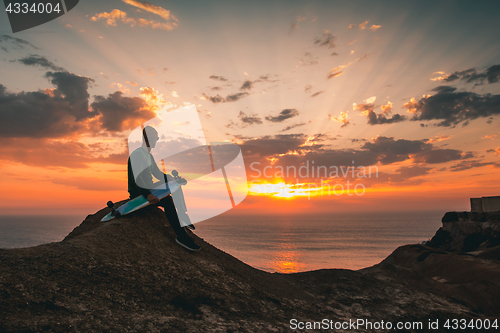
(129, 275)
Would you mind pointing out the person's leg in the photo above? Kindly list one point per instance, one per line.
(180, 204)
(182, 237)
(168, 204)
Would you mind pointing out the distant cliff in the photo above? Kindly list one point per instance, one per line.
(130, 275)
(468, 232)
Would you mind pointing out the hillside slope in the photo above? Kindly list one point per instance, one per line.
(130, 275)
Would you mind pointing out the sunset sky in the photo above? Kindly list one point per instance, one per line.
(409, 88)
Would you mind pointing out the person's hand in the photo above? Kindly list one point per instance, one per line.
(153, 199)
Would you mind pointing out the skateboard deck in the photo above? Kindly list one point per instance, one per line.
(140, 202)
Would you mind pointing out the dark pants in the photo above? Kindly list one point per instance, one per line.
(168, 204)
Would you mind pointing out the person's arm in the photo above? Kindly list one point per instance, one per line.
(156, 172)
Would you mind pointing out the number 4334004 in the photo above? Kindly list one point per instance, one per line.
(24, 8)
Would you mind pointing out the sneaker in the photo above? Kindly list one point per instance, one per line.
(187, 243)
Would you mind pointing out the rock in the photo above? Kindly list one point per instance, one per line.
(468, 232)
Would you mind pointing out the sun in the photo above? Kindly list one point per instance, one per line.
(283, 190)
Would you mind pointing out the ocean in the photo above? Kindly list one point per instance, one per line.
(274, 243)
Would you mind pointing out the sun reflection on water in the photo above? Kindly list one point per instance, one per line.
(286, 259)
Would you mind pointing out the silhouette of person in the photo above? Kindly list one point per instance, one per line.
(141, 161)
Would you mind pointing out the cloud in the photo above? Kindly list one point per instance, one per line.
(283, 115)
(438, 138)
(326, 39)
(342, 118)
(217, 77)
(496, 151)
(49, 113)
(72, 89)
(295, 150)
(229, 98)
(466, 165)
(367, 109)
(453, 107)
(490, 74)
(331, 74)
(317, 93)
(295, 23)
(267, 146)
(339, 69)
(408, 172)
(249, 119)
(37, 60)
(247, 85)
(390, 151)
(308, 60)
(162, 12)
(117, 15)
(119, 113)
(16, 42)
(49, 153)
(292, 126)
(363, 26)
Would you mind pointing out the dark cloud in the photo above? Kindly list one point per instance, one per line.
(217, 77)
(18, 42)
(466, 165)
(229, 98)
(235, 97)
(267, 146)
(374, 118)
(491, 74)
(120, 113)
(332, 75)
(317, 93)
(51, 113)
(249, 119)
(454, 107)
(377, 119)
(37, 60)
(390, 151)
(326, 39)
(444, 89)
(74, 89)
(283, 115)
(247, 85)
(408, 172)
(292, 126)
(296, 150)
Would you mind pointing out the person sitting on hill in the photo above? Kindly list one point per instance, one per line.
(140, 184)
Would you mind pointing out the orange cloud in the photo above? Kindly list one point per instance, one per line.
(386, 109)
(117, 15)
(342, 118)
(438, 138)
(162, 12)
